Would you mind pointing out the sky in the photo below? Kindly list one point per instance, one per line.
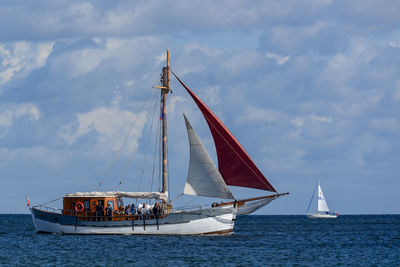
(311, 89)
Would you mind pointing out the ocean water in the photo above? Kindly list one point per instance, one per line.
(257, 241)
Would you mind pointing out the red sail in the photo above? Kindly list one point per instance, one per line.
(234, 164)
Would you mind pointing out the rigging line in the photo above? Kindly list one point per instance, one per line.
(156, 137)
(146, 149)
(177, 197)
(311, 198)
(122, 145)
(132, 153)
(156, 144)
(48, 202)
(159, 156)
(169, 198)
(190, 201)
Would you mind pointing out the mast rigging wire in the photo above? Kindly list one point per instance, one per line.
(122, 145)
(133, 150)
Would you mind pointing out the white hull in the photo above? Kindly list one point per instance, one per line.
(219, 224)
(322, 216)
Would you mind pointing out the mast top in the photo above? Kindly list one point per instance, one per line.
(167, 57)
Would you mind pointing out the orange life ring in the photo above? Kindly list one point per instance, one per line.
(79, 207)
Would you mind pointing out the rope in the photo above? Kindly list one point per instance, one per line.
(177, 197)
(156, 146)
(146, 150)
(189, 201)
(132, 153)
(122, 145)
(49, 202)
(311, 198)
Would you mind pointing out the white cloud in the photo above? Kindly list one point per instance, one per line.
(22, 58)
(10, 112)
(110, 123)
(242, 61)
(172, 102)
(364, 102)
(342, 68)
(299, 121)
(206, 50)
(288, 37)
(254, 114)
(280, 60)
(314, 117)
(129, 83)
(123, 53)
(395, 44)
(161, 59)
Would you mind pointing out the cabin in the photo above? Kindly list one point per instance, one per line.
(84, 205)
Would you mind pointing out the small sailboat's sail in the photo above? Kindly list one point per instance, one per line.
(203, 177)
(234, 164)
(322, 205)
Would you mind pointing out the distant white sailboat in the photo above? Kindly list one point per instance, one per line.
(323, 210)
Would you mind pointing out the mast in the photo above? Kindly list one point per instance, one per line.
(165, 88)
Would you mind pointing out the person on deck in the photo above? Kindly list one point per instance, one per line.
(121, 209)
(99, 212)
(156, 210)
(109, 212)
(165, 208)
(144, 212)
(133, 209)
(127, 208)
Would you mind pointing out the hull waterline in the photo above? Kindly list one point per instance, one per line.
(322, 216)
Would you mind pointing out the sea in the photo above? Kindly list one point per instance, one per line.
(364, 240)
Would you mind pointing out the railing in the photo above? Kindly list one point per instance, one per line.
(88, 215)
(92, 216)
(48, 209)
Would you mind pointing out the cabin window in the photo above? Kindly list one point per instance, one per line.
(111, 203)
(86, 203)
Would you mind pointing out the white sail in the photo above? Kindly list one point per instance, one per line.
(203, 177)
(322, 205)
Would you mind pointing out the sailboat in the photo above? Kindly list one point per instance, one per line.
(322, 210)
(100, 212)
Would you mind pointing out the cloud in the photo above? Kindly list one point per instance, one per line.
(253, 114)
(299, 121)
(107, 54)
(236, 63)
(111, 124)
(20, 58)
(280, 60)
(314, 117)
(10, 112)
